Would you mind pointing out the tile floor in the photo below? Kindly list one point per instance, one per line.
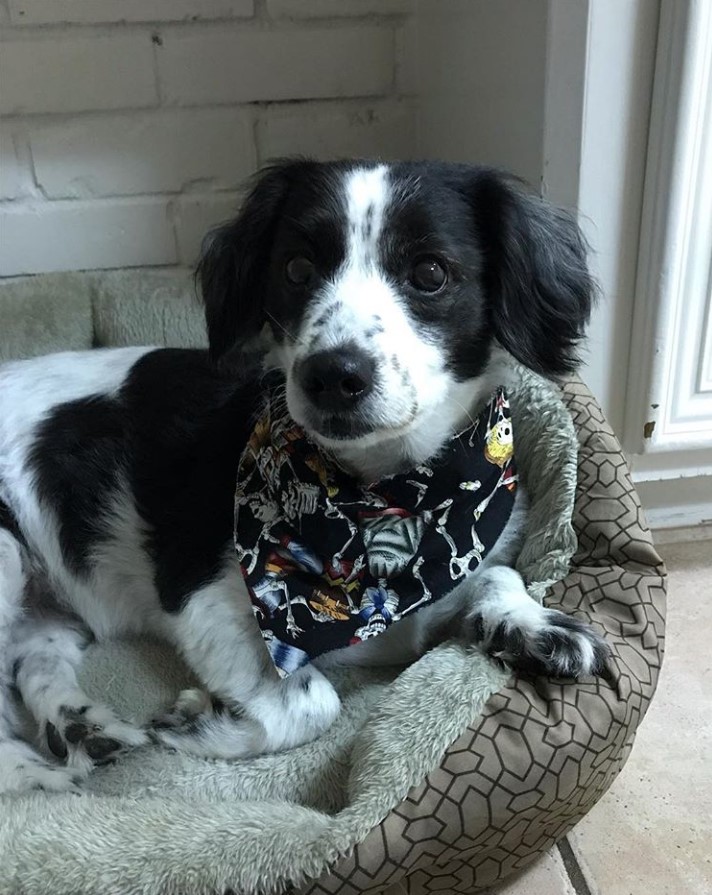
(651, 834)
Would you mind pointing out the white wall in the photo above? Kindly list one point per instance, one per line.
(481, 71)
(129, 126)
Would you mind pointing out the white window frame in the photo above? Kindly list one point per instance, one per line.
(669, 396)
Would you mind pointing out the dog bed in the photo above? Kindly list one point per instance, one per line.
(444, 776)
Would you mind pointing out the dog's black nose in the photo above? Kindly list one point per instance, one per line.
(338, 379)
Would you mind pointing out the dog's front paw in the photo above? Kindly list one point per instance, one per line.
(513, 628)
(557, 645)
(88, 735)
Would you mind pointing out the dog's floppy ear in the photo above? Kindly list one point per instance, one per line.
(540, 292)
(232, 271)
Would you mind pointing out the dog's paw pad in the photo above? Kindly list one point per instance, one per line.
(101, 749)
(90, 735)
(55, 742)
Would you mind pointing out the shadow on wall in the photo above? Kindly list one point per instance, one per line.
(123, 146)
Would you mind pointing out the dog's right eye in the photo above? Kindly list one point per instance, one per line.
(299, 270)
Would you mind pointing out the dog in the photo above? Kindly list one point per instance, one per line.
(388, 296)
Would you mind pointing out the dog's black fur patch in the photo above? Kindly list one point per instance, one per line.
(175, 433)
(78, 458)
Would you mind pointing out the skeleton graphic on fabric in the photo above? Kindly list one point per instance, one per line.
(329, 562)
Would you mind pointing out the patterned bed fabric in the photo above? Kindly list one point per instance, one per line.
(544, 751)
(329, 562)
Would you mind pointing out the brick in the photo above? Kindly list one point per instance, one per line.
(144, 153)
(223, 66)
(15, 178)
(311, 9)
(195, 215)
(45, 12)
(75, 74)
(386, 131)
(84, 235)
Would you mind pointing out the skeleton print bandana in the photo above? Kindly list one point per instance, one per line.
(329, 562)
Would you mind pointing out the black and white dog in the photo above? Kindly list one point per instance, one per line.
(387, 296)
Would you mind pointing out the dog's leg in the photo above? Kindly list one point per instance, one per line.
(254, 710)
(499, 615)
(492, 608)
(21, 767)
(73, 728)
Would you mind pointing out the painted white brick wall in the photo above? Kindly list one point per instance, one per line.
(15, 177)
(309, 9)
(221, 65)
(129, 126)
(339, 132)
(143, 152)
(73, 74)
(39, 237)
(52, 12)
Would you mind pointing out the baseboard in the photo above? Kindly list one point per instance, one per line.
(682, 503)
(682, 535)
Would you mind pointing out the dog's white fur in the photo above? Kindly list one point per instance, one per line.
(419, 404)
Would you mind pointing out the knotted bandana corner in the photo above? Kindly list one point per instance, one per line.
(329, 562)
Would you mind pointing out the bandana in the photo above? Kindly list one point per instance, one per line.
(329, 562)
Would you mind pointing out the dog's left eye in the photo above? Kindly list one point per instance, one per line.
(299, 270)
(428, 274)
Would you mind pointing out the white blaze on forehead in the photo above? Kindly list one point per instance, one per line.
(358, 300)
(360, 303)
(366, 198)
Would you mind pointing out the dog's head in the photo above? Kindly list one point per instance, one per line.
(383, 288)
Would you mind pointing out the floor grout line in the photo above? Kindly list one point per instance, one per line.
(573, 868)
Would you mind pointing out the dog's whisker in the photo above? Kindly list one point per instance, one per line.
(465, 409)
(296, 339)
(470, 418)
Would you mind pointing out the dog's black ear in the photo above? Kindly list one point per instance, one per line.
(539, 289)
(233, 268)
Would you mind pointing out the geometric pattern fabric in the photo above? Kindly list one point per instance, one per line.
(544, 751)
